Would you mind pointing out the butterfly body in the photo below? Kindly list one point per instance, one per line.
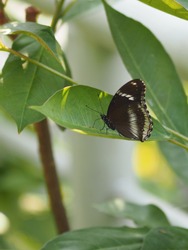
(127, 112)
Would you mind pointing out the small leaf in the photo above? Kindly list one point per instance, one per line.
(176, 8)
(79, 108)
(142, 215)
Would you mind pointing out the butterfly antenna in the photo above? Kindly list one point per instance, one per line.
(93, 109)
(100, 106)
(96, 112)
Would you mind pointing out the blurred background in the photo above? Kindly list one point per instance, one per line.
(92, 170)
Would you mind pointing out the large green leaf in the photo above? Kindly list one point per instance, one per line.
(25, 83)
(176, 8)
(79, 108)
(99, 238)
(164, 238)
(143, 215)
(145, 58)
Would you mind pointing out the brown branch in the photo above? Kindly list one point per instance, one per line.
(31, 14)
(50, 175)
(3, 17)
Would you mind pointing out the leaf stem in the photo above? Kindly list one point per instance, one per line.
(57, 14)
(178, 144)
(173, 132)
(176, 133)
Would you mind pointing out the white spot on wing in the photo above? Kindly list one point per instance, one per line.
(133, 83)
(133, 121)
(130, 97)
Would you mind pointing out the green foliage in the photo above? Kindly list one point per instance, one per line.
(156, 69)
(166, 238)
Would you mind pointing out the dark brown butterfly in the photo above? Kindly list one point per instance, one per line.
(127, 112)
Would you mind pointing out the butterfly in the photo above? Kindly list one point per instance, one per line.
(127, 112)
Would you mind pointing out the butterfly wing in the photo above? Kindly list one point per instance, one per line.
(128, 111)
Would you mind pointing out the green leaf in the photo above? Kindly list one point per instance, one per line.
(79, 108)
(24, 83)
(99, 238)
(164, 238)
(143, 215)
(176, 8)
(145, 58)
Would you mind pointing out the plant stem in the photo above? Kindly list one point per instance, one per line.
(178, 144)
(57, 14)
(176, 133)
(3, 17)
(51, 177)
